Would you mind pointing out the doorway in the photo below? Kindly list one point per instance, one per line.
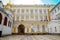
(21, 29)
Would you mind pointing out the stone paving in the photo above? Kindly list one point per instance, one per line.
(31, 37)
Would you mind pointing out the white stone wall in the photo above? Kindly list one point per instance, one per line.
(51, 27)
(6, 29)
(54, 25)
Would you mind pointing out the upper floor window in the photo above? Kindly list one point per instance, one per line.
(52, 13)
(58, 16)
(44, 11)
(31, 11)
(40, 11)
(55, 10)
(36, 11)
(18, 11)
(27, 10)
(45, 19)
(13, 10)
(58, 7)
(1, 4)
(22, 10)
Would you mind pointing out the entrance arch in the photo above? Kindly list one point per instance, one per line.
(21, 29)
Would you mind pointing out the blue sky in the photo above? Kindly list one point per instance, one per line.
(31, 2)
(51, 1)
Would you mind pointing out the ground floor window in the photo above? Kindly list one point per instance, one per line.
(0, 18)
(5, 21)
(55, 29)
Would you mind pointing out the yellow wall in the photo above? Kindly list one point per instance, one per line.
(14, 30)
(17, 23)
(49, 15)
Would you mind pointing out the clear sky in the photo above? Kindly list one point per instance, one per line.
(31, 2)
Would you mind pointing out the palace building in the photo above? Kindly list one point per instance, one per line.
(30, 19)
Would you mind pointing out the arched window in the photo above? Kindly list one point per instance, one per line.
(55, 29)
(5, 21)
(9, 24)
(0, 18)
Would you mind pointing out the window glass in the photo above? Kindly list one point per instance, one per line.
(31, 11)
(22, 10)
(0, 18)
(40, 11)
(5, 21)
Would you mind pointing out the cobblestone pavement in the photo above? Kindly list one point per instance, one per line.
(31, 37)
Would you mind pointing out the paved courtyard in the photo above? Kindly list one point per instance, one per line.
(31, 37)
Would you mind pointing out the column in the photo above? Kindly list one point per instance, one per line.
(25, 29)
(29, 17)
(25, 18)
(43, 18)
(7, 22)
(49, 15)
(15, 17)
(38, 17)
(14, 31)
(34, 17)
(29, 30)
(2, 20)
(41, 29)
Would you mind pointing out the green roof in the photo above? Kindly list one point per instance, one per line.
(55, 7)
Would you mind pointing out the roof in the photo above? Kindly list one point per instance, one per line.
(2, 10)
(55, 7)
(9, 4)
(31, 6)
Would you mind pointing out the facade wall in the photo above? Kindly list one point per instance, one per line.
(55, 12)
(36, 25)
(54, 25)
(32, 17)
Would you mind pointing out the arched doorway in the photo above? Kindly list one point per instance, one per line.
(21, 28)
